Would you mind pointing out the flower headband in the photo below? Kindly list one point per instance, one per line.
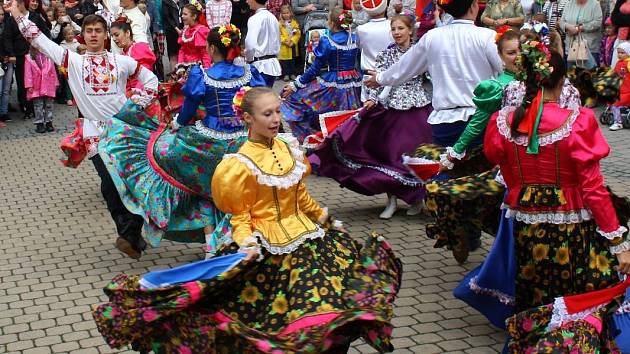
(196, 4)
(538, 55)
(345, 19)
(225, 32)
(443, 2)
(501, 31)
(237, 101)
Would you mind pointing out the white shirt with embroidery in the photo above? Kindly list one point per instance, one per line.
(97, 80)
(458, 57)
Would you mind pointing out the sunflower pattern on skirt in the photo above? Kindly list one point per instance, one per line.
(560, 259)
(529, 333)
(471, 186)
(327, 293)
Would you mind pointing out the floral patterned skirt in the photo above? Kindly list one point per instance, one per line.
(560, 259)
(301, 110)
(463, 201)
(327, 293)
(530, 333)
(162, 175)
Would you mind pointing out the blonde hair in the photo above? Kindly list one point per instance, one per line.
(251, 96)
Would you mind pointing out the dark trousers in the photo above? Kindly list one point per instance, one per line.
(19, 80)
(447, 134)
(128, 225)
(269, 80)
(288, 67)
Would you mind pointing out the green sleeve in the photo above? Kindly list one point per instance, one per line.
(488, 98)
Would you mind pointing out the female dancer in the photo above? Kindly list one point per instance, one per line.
(305, 287)
(549, 158)
(567, 236)
(192, 39)
(365, 156)
(170, 186)
(335, 90)
(472, 185)
(140, 51)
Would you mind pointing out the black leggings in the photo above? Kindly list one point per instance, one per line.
(128, 225)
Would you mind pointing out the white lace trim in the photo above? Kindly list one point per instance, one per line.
(283, 182)
(231, 83)
(547, 138)
(452, 153)
(613, 234)
(624, 308)
(338, 85)
(620, 248)
(218, 135)
(572, 217)
(561, 316)
(349, 46)
(503, 298)
(317, 233)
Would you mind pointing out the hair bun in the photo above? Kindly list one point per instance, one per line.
(122, 19)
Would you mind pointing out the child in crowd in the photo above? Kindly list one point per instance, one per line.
(313, 42)
(607, 47)
(622, 68)
(192, 38)
(40, 81)
(70, 43)
(289, 37)
(61, 21)
(218, 12)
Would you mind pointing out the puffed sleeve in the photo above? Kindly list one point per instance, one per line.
(200, 41)
(194, 90)
(307, 204)
(587, 147)
(321, 53)
(488, 96)
(144, 56)
(257, 79)
(492, 142)
(234, 190)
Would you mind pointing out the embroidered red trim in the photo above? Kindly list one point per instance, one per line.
(172, 181)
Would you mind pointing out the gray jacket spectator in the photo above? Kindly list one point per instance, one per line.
(302, 7)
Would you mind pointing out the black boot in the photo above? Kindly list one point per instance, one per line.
(49, 127)
(40, 128)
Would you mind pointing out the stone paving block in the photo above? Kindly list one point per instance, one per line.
(49, 287)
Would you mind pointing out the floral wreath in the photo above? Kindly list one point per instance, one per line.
(443, 2)
(539, 55)
(345, 19)
(225, 33)
(501, 31)
(197, 5)
(237, 101)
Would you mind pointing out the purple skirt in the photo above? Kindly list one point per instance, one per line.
(365, 155)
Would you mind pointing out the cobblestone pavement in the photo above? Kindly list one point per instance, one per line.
(57, 253)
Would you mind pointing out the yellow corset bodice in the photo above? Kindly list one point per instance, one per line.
(261, 186)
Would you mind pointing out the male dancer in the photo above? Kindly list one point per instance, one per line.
(458, 57)
(262, 42)
(97, 80)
